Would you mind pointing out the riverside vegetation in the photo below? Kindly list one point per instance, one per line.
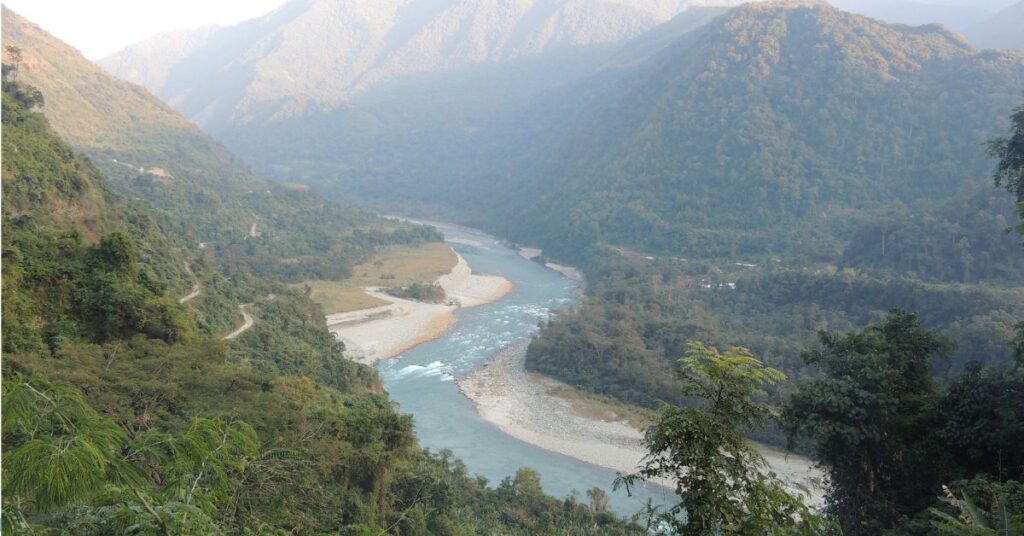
(892, 412)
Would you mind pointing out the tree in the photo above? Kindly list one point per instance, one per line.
(10, 70)
(1009, 171)
(983, 422)
(598, 499)
(871, 419)
(526, 484)
(58, 450)
(60, 453)
(724, 484)
(116, 252)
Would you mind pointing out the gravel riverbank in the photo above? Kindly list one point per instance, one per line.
(382, 332)
(542, 411)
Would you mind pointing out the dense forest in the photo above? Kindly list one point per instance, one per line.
(906, 448)
(780, 171)
(771, 130)
(122, 412)
(764, 131)
(639, 314)
(902, 455)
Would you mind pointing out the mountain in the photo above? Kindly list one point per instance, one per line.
(205, 194)
(694, 137)
(149, 62)
(1002, 30)
(416, 94)
(73, 253)
(98, 113)
(762, 130)
(312, 56)
(783, 170)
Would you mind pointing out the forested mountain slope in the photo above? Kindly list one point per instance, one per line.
(783, 170)
(102, 115)
(765, 129)
(776, 117)
(78, 263)
(762, 132)
(152, 152)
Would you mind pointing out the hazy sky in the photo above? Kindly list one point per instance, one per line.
(101, 27)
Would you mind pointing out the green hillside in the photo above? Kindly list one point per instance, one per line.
(123, 413)
(762, 133)
(785, 170)
(78, 264)
(197, 188)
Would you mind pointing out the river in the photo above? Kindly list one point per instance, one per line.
(422, 379)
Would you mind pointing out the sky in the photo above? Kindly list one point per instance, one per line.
(101, 27)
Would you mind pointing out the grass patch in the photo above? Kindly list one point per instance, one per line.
(395, 266)
(399, 266)
(340, 296)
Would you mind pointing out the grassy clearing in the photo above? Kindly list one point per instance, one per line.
(396, 266)
(340, 296)
(404, 265)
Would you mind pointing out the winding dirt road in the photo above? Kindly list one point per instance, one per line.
(192, 293)
(247, 323)
(195, 290)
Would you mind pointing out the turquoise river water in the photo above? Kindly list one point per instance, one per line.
(422, 379)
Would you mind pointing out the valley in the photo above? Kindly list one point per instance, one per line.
(518, 267)
(416, 355)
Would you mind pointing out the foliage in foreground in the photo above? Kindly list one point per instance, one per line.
(889, 437)
(1010, 154)
(724, 484)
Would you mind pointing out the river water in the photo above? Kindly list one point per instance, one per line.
(422, 379)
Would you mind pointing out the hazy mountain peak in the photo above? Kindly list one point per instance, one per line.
(758, 35)
(148, 62)
(1002, 30)
(319, 53)
(76, 117)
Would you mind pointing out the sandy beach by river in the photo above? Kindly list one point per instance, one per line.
(534, 409)
(377, 333)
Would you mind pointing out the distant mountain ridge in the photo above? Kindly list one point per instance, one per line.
(693, 138)
(148, 63)
(772, 116)
(1005, 29)
(314, 55)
